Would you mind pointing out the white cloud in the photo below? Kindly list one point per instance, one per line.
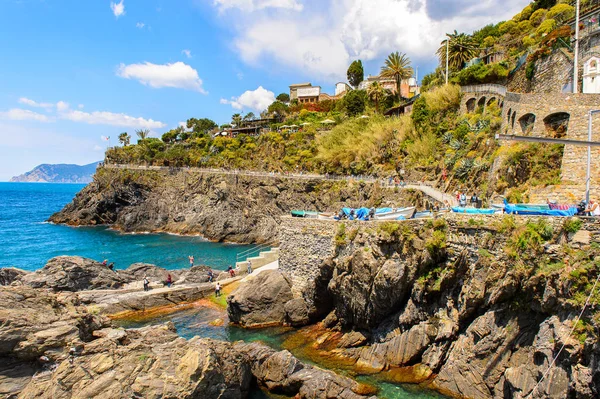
(32, 103)
(118, 8)
(62, 106)
(140, 25)
(80, 106)
(328, 35)
(252, 5)
(258, 100)
(184, 126)
(177, 75)
(187, 53)
(18, 114)
(110, 118)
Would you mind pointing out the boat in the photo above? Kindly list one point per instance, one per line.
(326, 216)
(518, 210)
(396, 214)
(474, 211)
(524, 206)
(305, 214)
(423, 215)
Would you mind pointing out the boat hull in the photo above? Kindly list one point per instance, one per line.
(405, 213)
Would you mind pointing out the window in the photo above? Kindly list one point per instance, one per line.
(593, 66)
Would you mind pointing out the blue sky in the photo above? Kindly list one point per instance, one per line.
(73, 71)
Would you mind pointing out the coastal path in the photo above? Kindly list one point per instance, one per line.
(425, 188)
(133, 298)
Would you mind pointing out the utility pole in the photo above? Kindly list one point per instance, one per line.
(448, 54)
(576, 56)
(588, 175)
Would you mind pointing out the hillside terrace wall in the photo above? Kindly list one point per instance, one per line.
(517, 107)
(552, 73)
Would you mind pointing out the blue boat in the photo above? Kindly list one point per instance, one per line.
(473, 211)
(517, 210)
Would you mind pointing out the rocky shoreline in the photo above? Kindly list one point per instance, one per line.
(479, 307)
(55, 344)
(220, 207)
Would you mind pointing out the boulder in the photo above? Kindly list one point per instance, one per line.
(196, 274)
(73, 273)
(296, 311)
(8, 275)
(137, 271)
(35, 322)
(281, 373)
(152, 362)
(261, 300)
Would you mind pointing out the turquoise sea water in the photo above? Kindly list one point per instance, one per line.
(28, 242)
(196, 322)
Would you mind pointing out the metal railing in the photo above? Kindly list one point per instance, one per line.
(242, 256)
(487, 88)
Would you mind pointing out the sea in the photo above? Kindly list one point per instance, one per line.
(28, 241)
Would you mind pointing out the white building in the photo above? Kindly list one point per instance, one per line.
(591, 75)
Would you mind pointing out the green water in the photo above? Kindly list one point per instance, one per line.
(195, 322)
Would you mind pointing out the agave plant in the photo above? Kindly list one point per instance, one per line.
(456, 144)
(447, 137)
(464, 167)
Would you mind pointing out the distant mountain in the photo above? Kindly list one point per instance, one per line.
(61, 173)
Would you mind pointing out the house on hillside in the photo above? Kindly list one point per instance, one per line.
(404, 109)
(306, 93)
(251, 128)
(408, 87)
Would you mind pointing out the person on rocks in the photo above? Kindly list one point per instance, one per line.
(593, 208)
(72, 354)
(231, 271)
(211, 276)
(169, 280)
(191, 259)
(218, 289)
(249, 270)
(104, 262)
(111, 266)
(146, 284)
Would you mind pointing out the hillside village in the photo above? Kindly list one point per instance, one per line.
(512, 78)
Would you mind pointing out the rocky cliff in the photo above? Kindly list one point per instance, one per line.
(481, 307)
(61, 173)
(221, 207)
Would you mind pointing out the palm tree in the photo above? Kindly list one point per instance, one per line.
(143, 133)
(397, 67)
(461, 49)
(236, 119)
(376, 92)
(124, 139)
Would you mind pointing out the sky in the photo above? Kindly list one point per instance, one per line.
(74, 72)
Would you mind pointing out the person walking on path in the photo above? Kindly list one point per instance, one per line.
(146, 283)
(169, 280)
(217, 289)
(211, 276)
(191, 258)
(249, 267)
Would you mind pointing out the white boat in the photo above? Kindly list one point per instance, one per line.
(405, 213)
(326, 216)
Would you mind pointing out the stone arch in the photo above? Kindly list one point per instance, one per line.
(491, 100)
(557, 124)
(471, 104)
(526, 122)
(481, 102)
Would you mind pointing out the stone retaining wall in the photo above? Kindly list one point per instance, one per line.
(307, 243)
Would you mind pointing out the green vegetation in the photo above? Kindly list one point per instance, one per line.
(572, 225)
(340, 235)
(528, 238)
(356, 73)
(397, 67)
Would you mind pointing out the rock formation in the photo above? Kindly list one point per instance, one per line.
(221, 207)
(482, 307)
(51, 347)
(73, 273)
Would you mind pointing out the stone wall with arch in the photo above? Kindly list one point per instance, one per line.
(559, 116)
